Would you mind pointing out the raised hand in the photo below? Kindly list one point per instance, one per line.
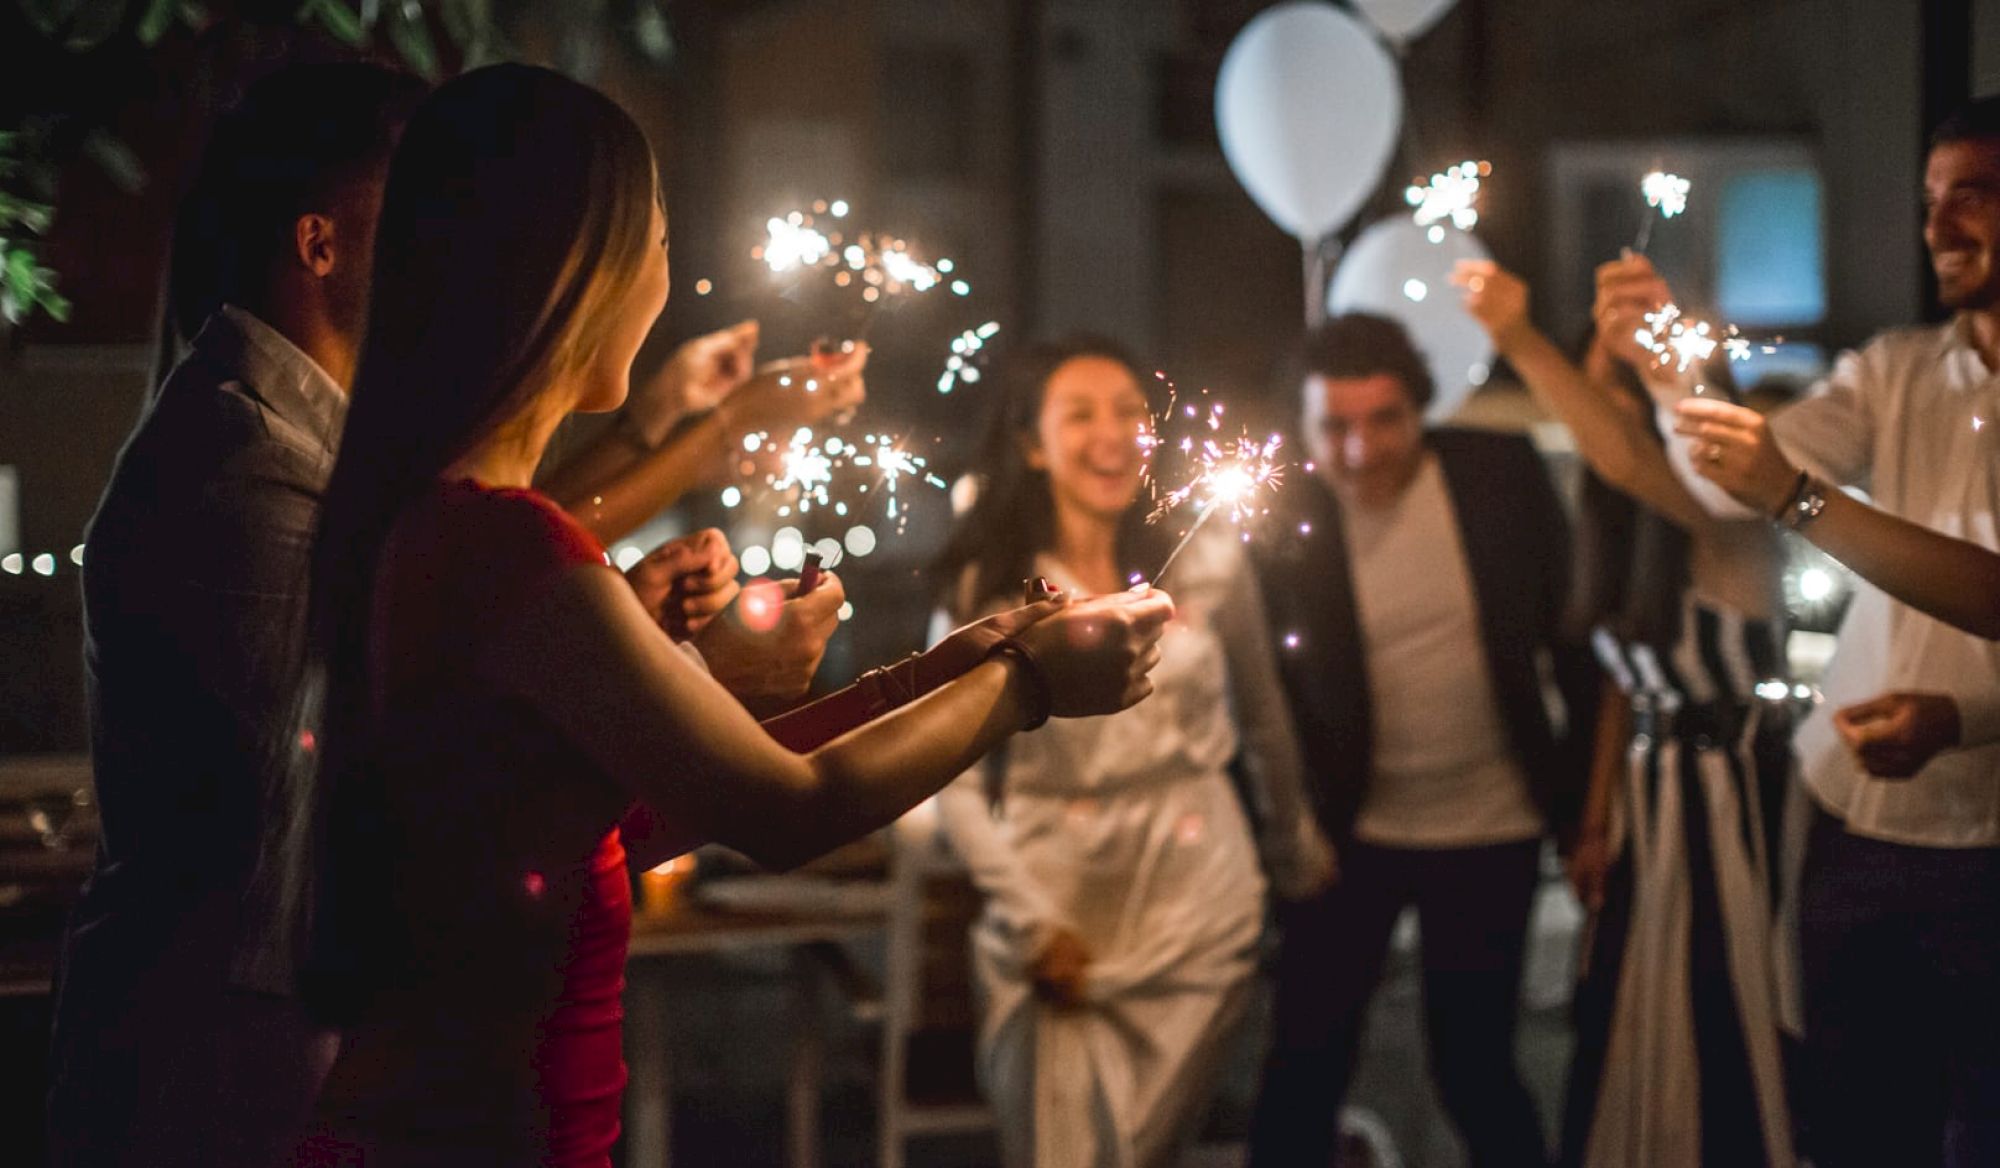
(767, 647)
(1627, 289)
(700, 375)
(686, 582)
(1496, 298)
(797, 391)
(1095, 654)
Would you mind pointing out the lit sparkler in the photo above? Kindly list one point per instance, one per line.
(1680, 341)
(1666, 196)
(1223, 473)
(1230, 475)
(814, 471)
(879, 266)
(959, 367)
(1451, 195)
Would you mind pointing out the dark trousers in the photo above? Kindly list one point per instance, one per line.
(1900, 947)
(1472, 907)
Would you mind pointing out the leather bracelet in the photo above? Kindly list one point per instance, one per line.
(1791, 496)
(1041, 696)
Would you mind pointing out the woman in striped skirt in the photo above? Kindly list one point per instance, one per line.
(1678, 1063)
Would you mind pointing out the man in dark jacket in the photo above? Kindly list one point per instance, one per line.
(1417, 585)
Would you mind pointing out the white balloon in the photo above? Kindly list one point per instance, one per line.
(1402, 21)
(1393, 269)
(1308, 105)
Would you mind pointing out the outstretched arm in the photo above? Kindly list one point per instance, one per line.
(1954, 580)
(645, 461)
(595, 664)
(1614, 439)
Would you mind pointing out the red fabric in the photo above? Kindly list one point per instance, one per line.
(510, 877)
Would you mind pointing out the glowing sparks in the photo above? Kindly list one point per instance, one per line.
(960, 367)
(1665, 193)
(1228, 474)
(835, 473)
(1451, 195)
(1679, 341)
(882, 265)
(790, 244)
(1666, 196)
(805, 468)
(1221, 473)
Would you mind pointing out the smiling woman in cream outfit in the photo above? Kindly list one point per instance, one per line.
(1124, 897)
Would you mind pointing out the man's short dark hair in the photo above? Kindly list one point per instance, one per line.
(298, 139)
(1975, 121)
(1361, 344)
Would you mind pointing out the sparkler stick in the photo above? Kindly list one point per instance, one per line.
(1679, 341)
(1666, 196)
(1230, 475)
(1200, 518)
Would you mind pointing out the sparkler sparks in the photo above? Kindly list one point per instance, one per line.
(1665, 193)
(959, 367)
(1222, 473)
(814, 472)
(882, 265)
(1450, 195)
(1679, 341)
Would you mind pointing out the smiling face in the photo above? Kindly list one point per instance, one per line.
(1962, 221)
(1087, 436)
(1366, 433)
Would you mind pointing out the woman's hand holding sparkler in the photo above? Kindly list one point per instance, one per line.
(699, 375)
(1093, 656)
(767, 647)
(797, 391)
(1628, 289)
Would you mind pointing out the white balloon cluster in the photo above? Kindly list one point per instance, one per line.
(1309, 105)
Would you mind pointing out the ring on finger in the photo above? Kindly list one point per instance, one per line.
(1712, 452)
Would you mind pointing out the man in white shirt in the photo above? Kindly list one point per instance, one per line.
(1899, 907)
(1416, 583)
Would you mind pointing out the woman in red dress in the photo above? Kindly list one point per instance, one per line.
(495, 701)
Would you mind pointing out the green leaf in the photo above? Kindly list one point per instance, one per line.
(116, 159)
(338, 19)
(92, 22)
(153, 23)
(412, 38)
(654, 35)
(46, 15)
(53, 302)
